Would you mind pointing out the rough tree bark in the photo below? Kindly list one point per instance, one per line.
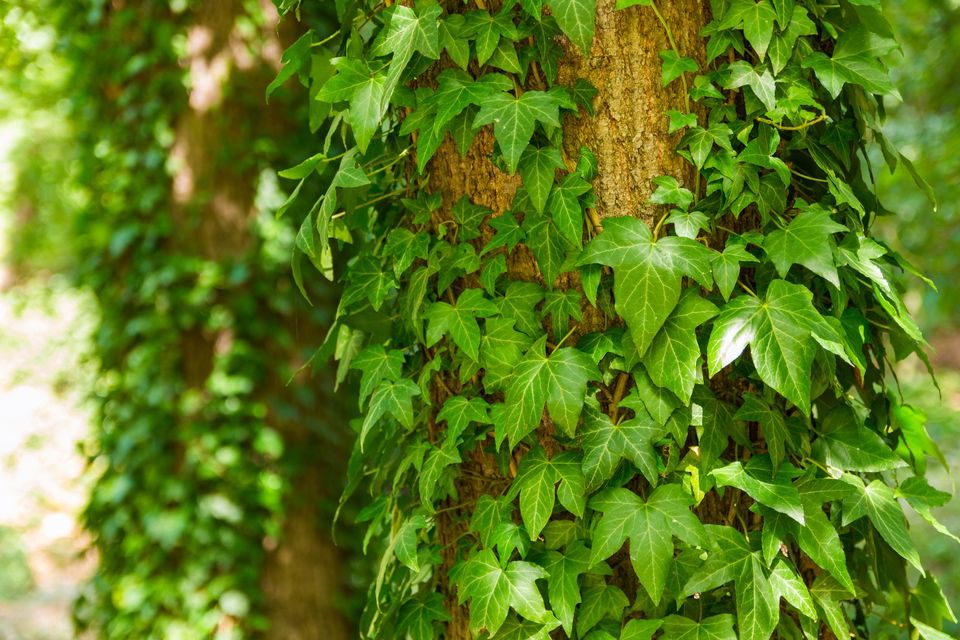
(213, 195)
(629, 137)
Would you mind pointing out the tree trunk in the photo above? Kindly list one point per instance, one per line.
(213, 196)
(629, 137)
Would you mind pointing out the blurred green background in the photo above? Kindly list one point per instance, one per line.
(46, 315)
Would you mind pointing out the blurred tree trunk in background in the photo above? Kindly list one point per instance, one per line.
(301, 577)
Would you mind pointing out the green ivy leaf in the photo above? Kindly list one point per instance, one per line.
(879, 503)
(647, 273)
(577, 19)
(535, 484)
(788, 585)
(673, 359)
(469, 217)
(734, 559)
(405, 542)
(404, 247)
(713, 628)
(548, 246)
(726, 266)
(393, 398)
(922, 497)
(673, 66)
(563, 582)
(419, 617)
(650, 526)
(640, 629)
(493, 591)
(565, 208)
(756, 19)
(487, 29)
(700, 141)
(807, 240)
(778, 330)
(538, 169)
(853, 447)
(669, 191)
(502, 346)
(771, 421)
(559, 382)
(854, 61)
(758, 480)
(606, 443)
(408, 31)
(459, 412)
(457, 90)
(514, 120)
(364, 89)
(828, 595)
(368, 281)
(460, 321)
(561, 306)
(377, 365)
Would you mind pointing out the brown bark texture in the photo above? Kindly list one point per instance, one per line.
(628, 135)
(213, 197)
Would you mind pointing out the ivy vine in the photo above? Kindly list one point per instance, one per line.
(681, 428)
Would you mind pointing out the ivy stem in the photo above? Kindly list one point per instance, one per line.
(564, 338)
(373, 201)
(806, 177)
(656, 229)
(800, 127)
(327, 39)
(403, 154)
(747, 289)
(618, 395)
(683, 80)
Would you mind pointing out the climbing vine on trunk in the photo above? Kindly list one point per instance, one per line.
(592, 422)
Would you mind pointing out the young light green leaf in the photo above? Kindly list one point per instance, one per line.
(673, 66)
(377, 364)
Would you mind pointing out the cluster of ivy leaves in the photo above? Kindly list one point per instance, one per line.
(721, 455)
